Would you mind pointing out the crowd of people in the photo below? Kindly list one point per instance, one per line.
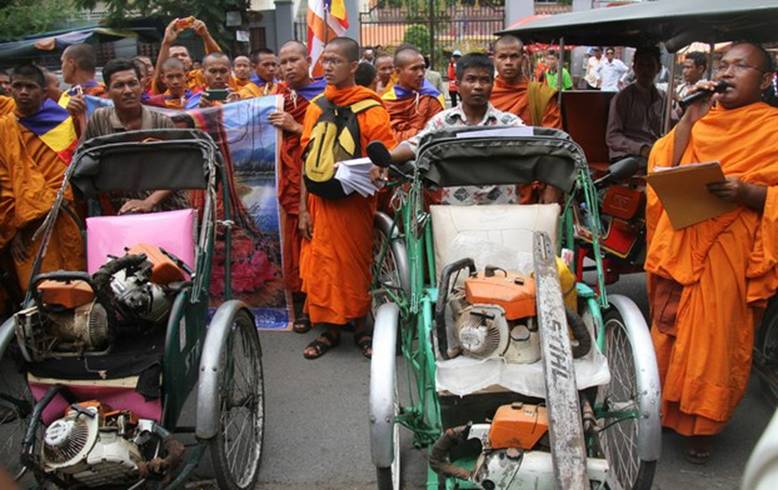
(708, 284)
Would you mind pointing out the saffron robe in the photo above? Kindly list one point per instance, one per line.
(335, 264)
(295, 103)
(31, 174)
(535, 103)
(709, 283)
(410, 110)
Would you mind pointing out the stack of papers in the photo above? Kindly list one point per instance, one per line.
(354, 176)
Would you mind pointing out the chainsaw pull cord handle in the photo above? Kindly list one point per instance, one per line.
(439, 454)
(440, 306)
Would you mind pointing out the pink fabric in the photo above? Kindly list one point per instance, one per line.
(115, 398)
(109, 235)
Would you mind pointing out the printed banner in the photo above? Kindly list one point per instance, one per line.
(249, 146)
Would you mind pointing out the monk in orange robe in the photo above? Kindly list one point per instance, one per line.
(263, 81)
(177, 95)
(338, 250)
(7, 105)
(384, 66)
(241, 73)
(709, 282)
(32, 166)
(297, 90)
(412, 101)
(195, 80)
(534, 102)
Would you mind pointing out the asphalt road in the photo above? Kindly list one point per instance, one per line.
(317, 432)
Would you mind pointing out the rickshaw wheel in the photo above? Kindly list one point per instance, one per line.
(389, 478)
(16, 404)
(620, 433)
(236, 450)
(390, 268)
(768, 348)
(384, 401)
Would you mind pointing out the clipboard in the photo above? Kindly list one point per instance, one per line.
(684, 195)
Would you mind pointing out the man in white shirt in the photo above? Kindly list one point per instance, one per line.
(694, 66)
(610, 72)
(592, 63)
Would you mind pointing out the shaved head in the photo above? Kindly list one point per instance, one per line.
(173, 64)
(508, 40)
(346, 47)
(296, 45)
(766, 60)
(216, 56)
(406, 55)
(84, 55)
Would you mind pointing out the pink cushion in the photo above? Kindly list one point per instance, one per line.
(110, 235)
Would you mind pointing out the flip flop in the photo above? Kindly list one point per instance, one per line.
(698, 450)
(302, 325)
(364, 341)
(321, 344)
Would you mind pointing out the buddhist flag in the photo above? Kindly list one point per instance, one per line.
(53, 125)
(326, 19)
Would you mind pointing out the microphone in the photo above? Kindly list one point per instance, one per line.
(378, 154)
(720, 87)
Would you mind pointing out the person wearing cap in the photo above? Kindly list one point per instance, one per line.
(453, 91)
(592, 62)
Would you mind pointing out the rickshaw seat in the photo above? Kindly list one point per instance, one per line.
(459, 230)
(585, 119)
(174, 231)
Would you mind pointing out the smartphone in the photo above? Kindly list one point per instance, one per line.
(217, 94)
(185, 23)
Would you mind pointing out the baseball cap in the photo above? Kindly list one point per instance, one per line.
(456, 53)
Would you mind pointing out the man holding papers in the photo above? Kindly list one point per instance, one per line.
(709, 282)
(338, 250)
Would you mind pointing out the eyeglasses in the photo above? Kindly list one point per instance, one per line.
(736, 67)
(331, 61)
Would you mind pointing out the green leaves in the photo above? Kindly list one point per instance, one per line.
(24, 17)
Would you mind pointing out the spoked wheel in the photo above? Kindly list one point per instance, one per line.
(619, 411)
(16, 404)
(768, 352)
(237, 448)
(390, 266)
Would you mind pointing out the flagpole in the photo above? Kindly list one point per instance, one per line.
(326, 26)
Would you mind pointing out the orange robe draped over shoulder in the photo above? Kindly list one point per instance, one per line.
(289, 189)
(709, 282)
(409, 115)
(30, 176)
(534, 102)
(335, 264)
(7, 105)
(251, 90)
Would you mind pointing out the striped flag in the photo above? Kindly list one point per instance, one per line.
(326, 19)
(54, 126)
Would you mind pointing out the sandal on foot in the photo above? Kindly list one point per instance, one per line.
(301, 325)
(364, 341)
(698, 450)
(321, 344)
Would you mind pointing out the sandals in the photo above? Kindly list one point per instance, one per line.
(302, 325)
(329, 339)
(364, 340)
(698, 450)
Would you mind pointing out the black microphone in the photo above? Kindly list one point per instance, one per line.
(378, 154)
(701, 94)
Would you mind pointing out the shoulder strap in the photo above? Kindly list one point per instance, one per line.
(323, 102)
(363, 105)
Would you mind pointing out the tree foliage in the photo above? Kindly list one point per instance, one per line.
(212, 12)
(24, 17)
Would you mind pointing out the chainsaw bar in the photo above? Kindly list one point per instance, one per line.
(568, 450)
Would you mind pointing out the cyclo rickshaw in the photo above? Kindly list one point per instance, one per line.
(674, 25)
(97, 366)
(469, 306)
